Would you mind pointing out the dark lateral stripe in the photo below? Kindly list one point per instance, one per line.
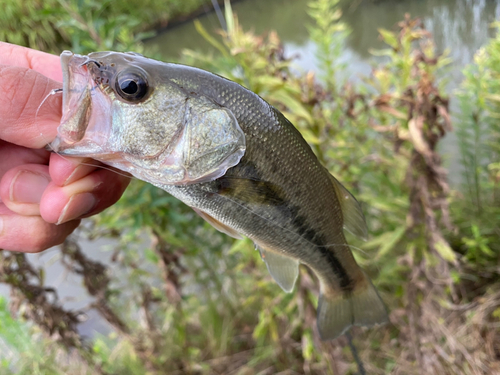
(310, 235)
(344, 280)
(273, 195)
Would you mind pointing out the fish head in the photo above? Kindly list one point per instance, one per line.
(128, 111)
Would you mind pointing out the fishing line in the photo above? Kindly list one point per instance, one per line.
(354, 351)
(220, 16)
(48, 142)
(52, 92)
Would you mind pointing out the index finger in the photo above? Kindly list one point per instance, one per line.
(23, 57)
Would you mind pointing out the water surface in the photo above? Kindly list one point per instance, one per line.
(459, 25)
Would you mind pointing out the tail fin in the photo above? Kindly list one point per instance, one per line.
(339, 311)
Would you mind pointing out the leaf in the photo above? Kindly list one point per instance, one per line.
(261, 329)
(229, 17)
(496, 313)
(151, 256)
(445, 251)
(307, 346)
(486, 250)
(293, 104)
(389, 37)
(494, 97)
(310, 137)
(392, 240)
(209, 38)
(270, 82)
(240, 246)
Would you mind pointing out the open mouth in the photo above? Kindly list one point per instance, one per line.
(76, 97)
(84, 126)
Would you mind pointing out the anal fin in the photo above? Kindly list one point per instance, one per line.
(339, 311)
(218, 225)
(282, 268)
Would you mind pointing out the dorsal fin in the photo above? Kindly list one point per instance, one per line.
(282, 268)
(218, 225)
(354, 220)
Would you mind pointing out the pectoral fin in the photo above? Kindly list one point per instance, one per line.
(218, 225)
(354, 220)
(283, 269)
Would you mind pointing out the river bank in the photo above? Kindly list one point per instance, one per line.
(54, 26)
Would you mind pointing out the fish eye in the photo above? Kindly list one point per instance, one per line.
(132, 86)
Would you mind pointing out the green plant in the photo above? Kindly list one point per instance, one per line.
(329, 34)
(88, 25)
(478, 132)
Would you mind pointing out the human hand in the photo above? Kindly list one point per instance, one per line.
(38, 189)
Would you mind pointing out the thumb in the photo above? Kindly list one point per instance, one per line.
(22, 91)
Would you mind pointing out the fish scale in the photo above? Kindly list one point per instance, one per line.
(276, 193)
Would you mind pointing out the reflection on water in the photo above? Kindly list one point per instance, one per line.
(288, 17)
(460, 25)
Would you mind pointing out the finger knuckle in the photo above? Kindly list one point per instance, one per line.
(40, 242)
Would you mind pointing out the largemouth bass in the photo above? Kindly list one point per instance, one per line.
(232, 157)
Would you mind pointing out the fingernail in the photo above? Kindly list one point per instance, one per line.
(78, 205)
(28, 187)
(72, 176)
(1, 226)
(80, 171)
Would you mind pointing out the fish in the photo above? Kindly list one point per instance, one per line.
(233, 158)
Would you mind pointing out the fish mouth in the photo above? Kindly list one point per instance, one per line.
(76, 96)
(75, 76)
(76, 134)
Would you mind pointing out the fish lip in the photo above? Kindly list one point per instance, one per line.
(77, 108)
(70, 60)
(76, 88)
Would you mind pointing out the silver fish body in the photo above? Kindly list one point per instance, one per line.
(233, 158)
